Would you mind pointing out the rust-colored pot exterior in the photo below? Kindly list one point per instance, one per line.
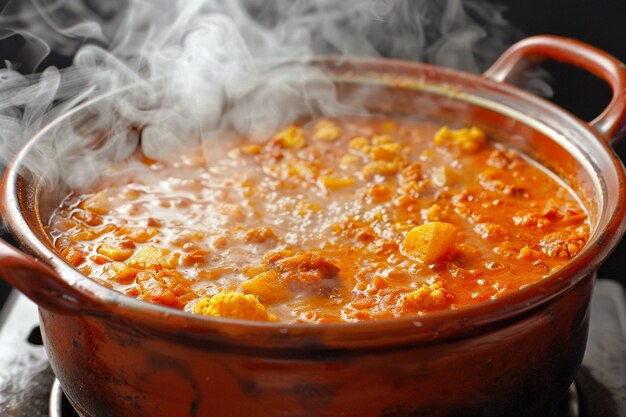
(520, 368)
(117, 356)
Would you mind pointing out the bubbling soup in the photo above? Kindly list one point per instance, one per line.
(327, 221)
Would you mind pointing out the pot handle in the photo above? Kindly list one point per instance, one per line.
(611, 123)
(41, 283)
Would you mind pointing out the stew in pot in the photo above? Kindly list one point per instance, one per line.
(327, 221)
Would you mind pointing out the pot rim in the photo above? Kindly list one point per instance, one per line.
(431, 328)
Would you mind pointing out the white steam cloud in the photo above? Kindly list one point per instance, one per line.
(201, 67)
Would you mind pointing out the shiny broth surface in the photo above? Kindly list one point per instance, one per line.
(336, 220)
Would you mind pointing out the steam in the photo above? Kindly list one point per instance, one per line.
(201, 67)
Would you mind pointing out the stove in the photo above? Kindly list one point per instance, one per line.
(28, 387)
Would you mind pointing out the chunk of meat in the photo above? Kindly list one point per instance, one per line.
(282, 274)
(308, 266)
(563, 244)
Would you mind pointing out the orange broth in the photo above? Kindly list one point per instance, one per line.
(332, 221)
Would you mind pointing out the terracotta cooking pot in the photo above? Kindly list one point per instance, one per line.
(514, 356)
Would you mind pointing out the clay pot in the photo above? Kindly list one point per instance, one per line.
(516, 355)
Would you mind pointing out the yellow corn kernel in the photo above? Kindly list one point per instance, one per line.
(151, 257)
(292, 137)
(430, 241)
(334, 183)
(233, 305)
(267, 286)
(325, 130)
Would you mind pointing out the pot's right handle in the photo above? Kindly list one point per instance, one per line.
(611, 123)
(41, 283)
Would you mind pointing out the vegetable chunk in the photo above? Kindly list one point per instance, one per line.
(152, 257)
(427, 296)
(430, 241)
(233, 305)
(268, 286)
(292, 137)
(468, 140)
(167, 287)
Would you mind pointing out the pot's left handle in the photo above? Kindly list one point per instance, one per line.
(611, 123)
(41, 283)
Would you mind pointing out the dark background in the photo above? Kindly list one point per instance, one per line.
(601, 23)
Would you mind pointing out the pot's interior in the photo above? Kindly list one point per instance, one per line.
(557, 142)
(561, 143)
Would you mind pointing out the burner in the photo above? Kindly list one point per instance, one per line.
(28, 387)
(59, 404)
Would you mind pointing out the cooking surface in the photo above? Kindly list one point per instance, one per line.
(26, 378)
